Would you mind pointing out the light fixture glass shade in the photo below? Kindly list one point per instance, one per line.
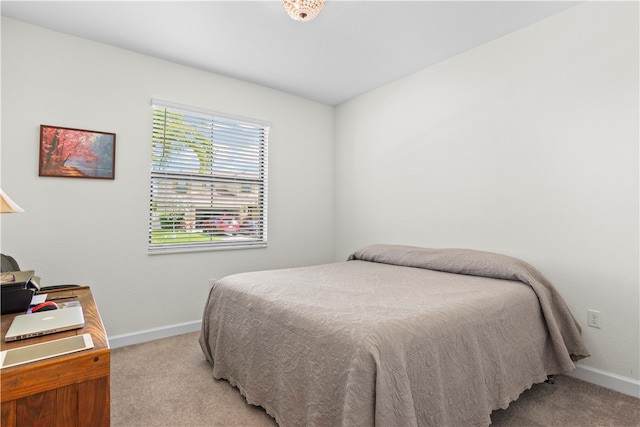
(7, 205)
(303, 10)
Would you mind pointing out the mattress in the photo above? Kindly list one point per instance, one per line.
(395, 336)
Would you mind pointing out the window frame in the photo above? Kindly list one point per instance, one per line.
(208, 180)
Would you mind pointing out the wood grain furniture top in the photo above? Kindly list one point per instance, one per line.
(52, 389)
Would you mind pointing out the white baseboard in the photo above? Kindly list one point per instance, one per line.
(607, 379)
(154, 334)
(596, 376)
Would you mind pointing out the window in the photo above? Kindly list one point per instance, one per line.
(208, 181)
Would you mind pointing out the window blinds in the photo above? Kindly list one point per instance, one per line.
(208, 181)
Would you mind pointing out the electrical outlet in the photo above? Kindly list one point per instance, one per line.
(594, 319)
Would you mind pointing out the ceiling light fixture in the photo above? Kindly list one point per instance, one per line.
(303, 10)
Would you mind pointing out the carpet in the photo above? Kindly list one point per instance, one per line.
(168, 382)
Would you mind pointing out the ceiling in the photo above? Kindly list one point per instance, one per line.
(351, 48)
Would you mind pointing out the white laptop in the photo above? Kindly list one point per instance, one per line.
(44, 350)
(45, 322)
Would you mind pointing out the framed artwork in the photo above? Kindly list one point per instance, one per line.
(76, 153)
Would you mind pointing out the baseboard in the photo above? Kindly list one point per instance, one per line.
(154, 334)
(607, 379)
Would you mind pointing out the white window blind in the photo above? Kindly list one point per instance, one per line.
(208, 181)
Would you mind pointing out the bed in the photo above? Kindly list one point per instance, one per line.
(393, 336)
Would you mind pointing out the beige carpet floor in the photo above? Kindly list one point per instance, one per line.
(168, 382)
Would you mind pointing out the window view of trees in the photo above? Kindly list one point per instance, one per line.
(208, 182)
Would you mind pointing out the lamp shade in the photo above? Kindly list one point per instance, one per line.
(7, 205)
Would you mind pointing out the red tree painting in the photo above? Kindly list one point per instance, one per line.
(76, 153)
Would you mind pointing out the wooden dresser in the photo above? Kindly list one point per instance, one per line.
(66, 391)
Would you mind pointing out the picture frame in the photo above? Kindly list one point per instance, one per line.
(76, 153)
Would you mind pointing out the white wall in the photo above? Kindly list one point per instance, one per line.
(95, 231)
(528, 146)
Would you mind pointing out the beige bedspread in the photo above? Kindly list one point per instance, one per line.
(396, 336)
